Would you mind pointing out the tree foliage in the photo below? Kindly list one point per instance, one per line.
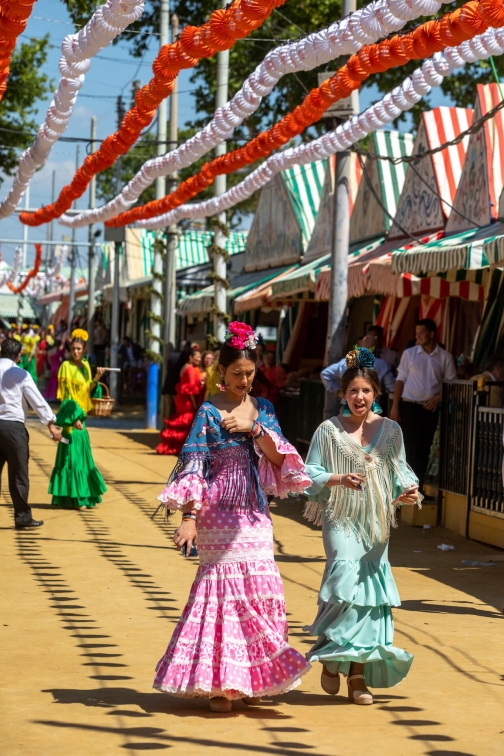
(26, 86)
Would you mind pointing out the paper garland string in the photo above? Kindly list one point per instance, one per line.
(195, 42)
(461, 25)
(106, 23)
(14, 16)
(343, 37)
(411, 91)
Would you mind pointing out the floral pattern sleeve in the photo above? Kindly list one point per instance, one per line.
(290, 478)
(188, 480)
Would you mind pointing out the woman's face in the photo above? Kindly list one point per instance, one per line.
(77, 351)
(207, 360)
(269, 359)
(360, 396)
(239, 376)
(195, 360)
(259, 351)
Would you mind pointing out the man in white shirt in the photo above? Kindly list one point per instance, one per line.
(16, 388)
(420, 376)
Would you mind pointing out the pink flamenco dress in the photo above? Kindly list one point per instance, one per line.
(231, 640)
(187, 400)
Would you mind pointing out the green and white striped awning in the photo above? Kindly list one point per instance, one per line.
(469, 250)
(192, 247)
(300, 281)
(304, 184)
(391, 177)
(199, 304)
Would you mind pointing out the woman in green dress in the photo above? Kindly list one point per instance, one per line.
(75, 481)
(359, 476)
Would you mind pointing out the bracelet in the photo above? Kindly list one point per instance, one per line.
(257, 430)
(188, 516)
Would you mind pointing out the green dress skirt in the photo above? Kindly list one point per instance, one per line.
(75, 481)
(354, 619)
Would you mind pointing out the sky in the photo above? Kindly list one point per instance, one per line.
(110, 75)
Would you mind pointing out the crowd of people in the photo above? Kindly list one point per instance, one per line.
(231, 641)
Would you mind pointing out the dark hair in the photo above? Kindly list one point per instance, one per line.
(377, 329)
(369, 374)
(10, 348)
(496, 360)
(78, 340)
(429, 324)
(228, 355)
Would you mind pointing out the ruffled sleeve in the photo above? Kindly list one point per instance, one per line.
(188, 481)
(402, 474)
(290, 478)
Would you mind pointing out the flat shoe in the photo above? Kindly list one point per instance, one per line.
(221, 705)
(359, 697)
(330, 685)
(252, 701)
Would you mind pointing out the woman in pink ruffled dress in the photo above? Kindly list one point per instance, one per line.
(231, 641)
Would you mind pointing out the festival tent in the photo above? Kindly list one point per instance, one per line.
(476, 202)
(285, 217)
(431, 181)
(381, 185)
(321, 237)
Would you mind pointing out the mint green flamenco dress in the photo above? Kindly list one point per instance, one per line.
(75, 480)
(354, 620)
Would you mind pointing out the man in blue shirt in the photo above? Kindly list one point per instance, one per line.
(331, 375)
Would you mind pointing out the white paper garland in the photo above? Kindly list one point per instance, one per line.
(105, 24)
(8, 276)
(366, 26)
(411, 91)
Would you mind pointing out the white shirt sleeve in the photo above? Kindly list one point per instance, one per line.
(37, 401)
(403, 369)
(450, 372)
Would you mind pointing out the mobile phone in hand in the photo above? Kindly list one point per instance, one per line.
(193, 552)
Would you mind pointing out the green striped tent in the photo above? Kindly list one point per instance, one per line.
(192, 249)
(285, 217)
(369, 218)
(469, 250)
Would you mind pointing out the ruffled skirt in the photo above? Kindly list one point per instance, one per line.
(354, 620)
(75, 480)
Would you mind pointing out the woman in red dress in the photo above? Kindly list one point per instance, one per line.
(187, 400)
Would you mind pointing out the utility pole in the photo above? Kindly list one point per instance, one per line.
(340, 243)
(219, 237)
(71, 299)
(49, 227)
(114, 325)
(170, 290)
(156, 313)
(91, 253)
(25, 231)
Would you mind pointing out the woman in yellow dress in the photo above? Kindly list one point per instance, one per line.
(75, 481)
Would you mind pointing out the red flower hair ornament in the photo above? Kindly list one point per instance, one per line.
(241, 336)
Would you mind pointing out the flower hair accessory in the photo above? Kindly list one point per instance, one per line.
(241, 336)
(80, 333)
(360, 357)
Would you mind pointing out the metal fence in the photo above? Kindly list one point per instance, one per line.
(487, 489)
(457, 414)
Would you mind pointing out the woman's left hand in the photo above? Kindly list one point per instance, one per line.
(409, 496)
(236, 424)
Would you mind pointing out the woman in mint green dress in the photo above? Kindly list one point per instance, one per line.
(76, 482)
(358, 467)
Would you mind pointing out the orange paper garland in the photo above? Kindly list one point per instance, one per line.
(13, 19)
(239, 20)
(31, 274)
(471, 19)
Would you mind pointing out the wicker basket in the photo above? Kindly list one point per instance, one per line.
(102, 407)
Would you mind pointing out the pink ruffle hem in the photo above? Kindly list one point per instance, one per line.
(231, 640)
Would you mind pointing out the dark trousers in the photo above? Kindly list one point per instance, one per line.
(418, 427)
(15, 451)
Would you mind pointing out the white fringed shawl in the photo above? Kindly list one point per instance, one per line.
(368, 514)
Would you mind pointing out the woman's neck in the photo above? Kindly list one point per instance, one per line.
(234, 399)
(77, 363)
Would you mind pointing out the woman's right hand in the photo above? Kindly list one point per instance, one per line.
(78, 425)
(186, 533)
(354, 481)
